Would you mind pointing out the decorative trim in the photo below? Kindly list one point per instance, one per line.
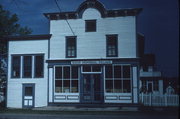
(96, 5)
(106, 97)
(122, 97)
(60, 97)
(69, 97)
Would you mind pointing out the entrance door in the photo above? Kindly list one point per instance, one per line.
(28, 95)
(91, 89)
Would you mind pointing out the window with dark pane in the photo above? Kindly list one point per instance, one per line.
(28, 91)
(58, 86)
(117, 72)
(126, 86)
(117, 86)
(27, 66)
(74, 86)
(90, 25)
(86, 68)
(109, 72)
(58, 72)
(70, 47)
(39, 66)
(126, 72)
(66, 86)
(112, 47)
(74, 72)
(66, 73)
(96, 68)
(16, 64)
(109, 86)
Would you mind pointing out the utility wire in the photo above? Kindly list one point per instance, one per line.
(65, 18)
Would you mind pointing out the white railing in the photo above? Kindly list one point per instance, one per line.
(159, 100)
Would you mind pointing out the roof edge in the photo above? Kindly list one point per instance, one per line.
(29, 37)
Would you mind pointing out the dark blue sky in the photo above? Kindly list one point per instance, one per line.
(159, 22)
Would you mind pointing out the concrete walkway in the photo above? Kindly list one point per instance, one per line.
(73, 108)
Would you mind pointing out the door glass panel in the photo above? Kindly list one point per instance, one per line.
(87, 83)
(96, 68)
(28, 91)
(86, 68)
(97, 82)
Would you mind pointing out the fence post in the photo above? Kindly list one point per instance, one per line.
(165, 96)
(142, 98)
(150, 99)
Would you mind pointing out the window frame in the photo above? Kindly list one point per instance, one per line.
(23, 66)
(12, 61)
(70, 79)
(75, 49)
(94, 29)
(35, 67)
(116, 45)
(121, 79)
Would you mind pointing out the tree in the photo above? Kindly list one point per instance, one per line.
(8, 27)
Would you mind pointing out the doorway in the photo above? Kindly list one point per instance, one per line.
(91, 88)
(28, 95)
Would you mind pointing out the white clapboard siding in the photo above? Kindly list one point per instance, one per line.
(14, 91)
(93, 44)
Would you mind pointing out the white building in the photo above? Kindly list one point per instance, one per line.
(89, 57)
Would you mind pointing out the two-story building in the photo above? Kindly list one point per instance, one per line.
(90, 56)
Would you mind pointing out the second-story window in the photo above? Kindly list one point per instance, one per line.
(90, 26)
(112, 45)
(70, 47)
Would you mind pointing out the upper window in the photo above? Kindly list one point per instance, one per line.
(112, 45)
(16, 64)
(27, 66)
(39, 66)
(70, 47)
(90, 25)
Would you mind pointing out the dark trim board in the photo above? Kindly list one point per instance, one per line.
(93, 4)
(99, 105)
(29, 37)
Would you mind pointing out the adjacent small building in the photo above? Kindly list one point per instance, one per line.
(90, 56)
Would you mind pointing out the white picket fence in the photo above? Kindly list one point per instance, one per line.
(164, 100)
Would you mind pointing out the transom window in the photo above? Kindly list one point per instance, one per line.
(91, 68)
(66, 79)
(70, 47)
(112, 45)
(118, 79)
(90, 25)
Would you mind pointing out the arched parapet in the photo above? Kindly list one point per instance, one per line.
(91, 4)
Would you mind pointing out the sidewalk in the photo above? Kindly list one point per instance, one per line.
(73, 108)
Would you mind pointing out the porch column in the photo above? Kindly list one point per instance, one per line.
(50, 85)
(135, 84)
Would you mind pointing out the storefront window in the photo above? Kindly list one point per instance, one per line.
(66, 79)
(118, 79)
